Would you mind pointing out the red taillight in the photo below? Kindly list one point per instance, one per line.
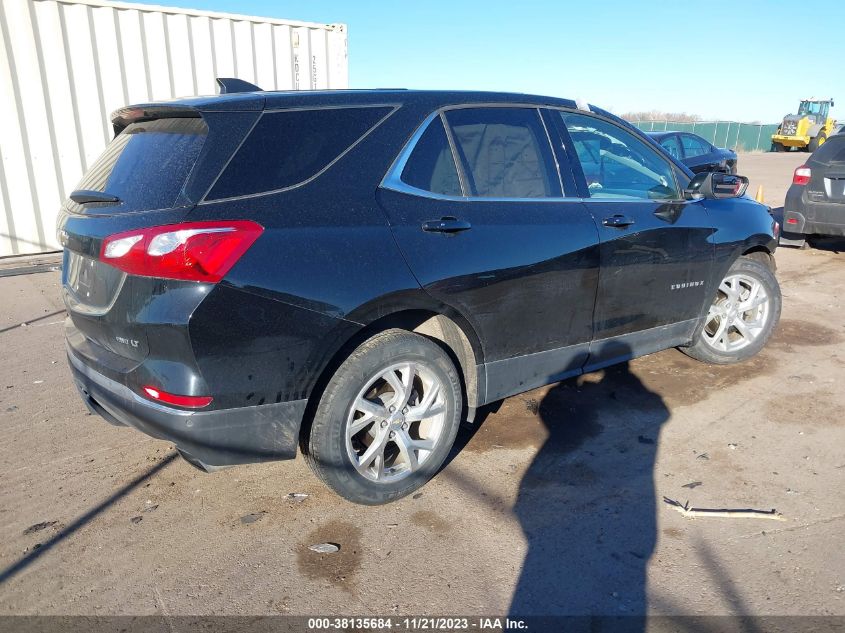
(791, 221)
(190, 402)
(193, 251)
(801, 175)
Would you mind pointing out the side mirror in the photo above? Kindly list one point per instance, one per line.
(715, 185)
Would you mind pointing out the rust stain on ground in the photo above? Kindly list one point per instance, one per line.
(573, 409)
(796, 332)
(338, 568)
(681, 380)
(509, 428)
(812, 271)
(813, 409)
(431, 521)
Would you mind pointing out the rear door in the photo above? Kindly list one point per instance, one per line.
(656, 252)
(478, 208)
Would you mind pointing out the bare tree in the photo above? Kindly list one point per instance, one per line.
(657, 115)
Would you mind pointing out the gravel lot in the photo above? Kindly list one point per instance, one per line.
(554, 504)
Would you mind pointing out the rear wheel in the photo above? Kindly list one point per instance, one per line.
(387, 418)
(817, 142)
(742, 317)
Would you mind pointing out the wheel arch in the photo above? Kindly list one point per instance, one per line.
(761, 254)
(438, 323)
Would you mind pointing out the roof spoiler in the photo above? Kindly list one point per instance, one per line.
(146, 112)
(229, 85)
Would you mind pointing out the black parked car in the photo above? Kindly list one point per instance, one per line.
(815, 203)
(356, 272)
(696, 153)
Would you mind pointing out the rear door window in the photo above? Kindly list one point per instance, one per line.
(505, 152)
(146, 165)
(287, 148)
(671, 145)
(694, 146)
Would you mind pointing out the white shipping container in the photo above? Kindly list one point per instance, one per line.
(65, 65)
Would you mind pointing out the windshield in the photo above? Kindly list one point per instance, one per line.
(812, 107)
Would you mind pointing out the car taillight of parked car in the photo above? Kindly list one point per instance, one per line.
(801, 175)
(191, 251)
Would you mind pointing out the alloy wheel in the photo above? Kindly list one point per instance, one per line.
(739, 314)
(395, 422)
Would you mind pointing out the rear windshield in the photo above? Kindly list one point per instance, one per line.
(832, 151)
(147, 164)
(289, 147)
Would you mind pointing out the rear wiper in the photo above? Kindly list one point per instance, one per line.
(87, 196)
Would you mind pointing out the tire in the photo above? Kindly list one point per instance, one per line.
(369, 454)
(794, 240)
(816, 142)
(777, 147)
(719, 340)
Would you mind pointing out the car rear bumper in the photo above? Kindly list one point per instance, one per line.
(812, 218)
(207, 439)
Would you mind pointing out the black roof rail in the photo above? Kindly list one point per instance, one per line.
(229, 85)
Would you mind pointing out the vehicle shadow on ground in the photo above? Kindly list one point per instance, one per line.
(83, 520)
(587, 502)
(830, 244)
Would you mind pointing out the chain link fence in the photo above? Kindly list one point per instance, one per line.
(740, 137)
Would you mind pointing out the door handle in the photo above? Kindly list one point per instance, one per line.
(446, 224)
(618, 221)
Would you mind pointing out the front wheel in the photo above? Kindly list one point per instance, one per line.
(816, 142)
(387, 418)
(741, 318)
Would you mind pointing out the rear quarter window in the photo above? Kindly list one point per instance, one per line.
(431, 166)
(287, 148)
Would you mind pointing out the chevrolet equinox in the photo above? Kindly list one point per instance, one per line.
(353, 273)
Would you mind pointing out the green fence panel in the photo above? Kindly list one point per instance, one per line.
(722, 130)
(707, 131)
(765, 143)
(745, 137)
(753, 137)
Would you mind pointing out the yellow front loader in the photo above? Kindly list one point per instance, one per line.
(806, 130)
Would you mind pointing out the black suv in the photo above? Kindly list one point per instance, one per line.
(356, 272)
(815, 203)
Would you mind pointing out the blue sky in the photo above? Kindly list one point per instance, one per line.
(722, 59)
